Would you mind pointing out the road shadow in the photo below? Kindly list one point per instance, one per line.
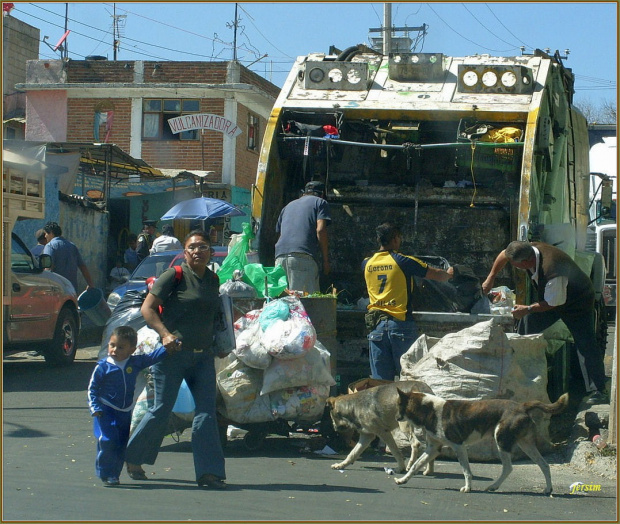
(36, 375)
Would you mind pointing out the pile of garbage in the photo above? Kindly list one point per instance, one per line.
(278, 370)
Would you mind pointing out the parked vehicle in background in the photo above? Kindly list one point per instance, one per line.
(42, 313)
(602, 233)
(40, 308)
(155, 264)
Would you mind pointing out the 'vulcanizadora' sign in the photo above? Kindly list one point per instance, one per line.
(204, 121)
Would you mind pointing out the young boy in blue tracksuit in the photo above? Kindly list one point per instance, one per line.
(110, 399)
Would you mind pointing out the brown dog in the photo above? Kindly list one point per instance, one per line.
(457, 423)
(372, 413)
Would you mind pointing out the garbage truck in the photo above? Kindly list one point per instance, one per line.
(465, 153)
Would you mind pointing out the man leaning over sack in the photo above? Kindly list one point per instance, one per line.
(561, 292)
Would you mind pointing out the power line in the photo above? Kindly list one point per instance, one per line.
(463, 36)
(502, 24)
(485, 27)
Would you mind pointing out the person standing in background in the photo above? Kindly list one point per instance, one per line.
(166, 241)
(41, 241)
(66, 258)
(146, 239)
(303, 241)
(131, 255)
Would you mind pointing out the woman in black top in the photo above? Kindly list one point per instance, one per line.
(190, 306)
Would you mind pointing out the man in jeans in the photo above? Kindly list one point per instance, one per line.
(302, 226)
(390, 282)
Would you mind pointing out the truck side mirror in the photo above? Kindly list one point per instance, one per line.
(606, 196)
(45, 261)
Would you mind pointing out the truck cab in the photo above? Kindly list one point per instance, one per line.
(40, 309)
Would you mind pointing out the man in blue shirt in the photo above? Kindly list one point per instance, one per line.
(66, 258)
(302, 225)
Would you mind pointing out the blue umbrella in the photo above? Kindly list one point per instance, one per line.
(202, 208)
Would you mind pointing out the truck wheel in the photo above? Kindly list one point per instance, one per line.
(254, 440)
(64, 345)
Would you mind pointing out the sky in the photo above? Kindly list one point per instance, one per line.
(271, 35)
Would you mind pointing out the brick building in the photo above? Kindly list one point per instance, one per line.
(130, 103)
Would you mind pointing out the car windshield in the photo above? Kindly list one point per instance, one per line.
(152, 266)
(21, 260)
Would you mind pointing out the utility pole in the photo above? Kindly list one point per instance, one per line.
(387, 28)
(114, 39)
(65, 51)
(235, 36)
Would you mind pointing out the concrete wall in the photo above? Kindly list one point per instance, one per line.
(46, 116)
(88, 230)
(20, 42)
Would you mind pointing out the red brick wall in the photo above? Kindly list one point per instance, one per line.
(204, 154)
(246, 161)
(95, 71)
(249, 77)
(190, 72)
(81, 118)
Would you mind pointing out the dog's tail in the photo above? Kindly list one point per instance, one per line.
(557, 407)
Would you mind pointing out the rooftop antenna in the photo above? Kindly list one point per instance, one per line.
(118, 27)
(235, 35)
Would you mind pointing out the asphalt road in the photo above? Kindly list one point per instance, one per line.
(48, 473)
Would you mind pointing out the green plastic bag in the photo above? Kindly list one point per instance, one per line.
(237, 258)
(254, 274)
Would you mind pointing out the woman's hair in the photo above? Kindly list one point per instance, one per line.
(198, 233)
(386, 232)
(126, 333)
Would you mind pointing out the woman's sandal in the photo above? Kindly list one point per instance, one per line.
(136, 472)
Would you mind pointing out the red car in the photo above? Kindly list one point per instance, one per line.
(40, 308)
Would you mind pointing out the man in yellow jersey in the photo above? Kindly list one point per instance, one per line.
(390, 282)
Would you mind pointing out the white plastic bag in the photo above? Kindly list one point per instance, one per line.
(288, 339)
(311, 369)
(148, 341)
(240, 388)
(249, 348)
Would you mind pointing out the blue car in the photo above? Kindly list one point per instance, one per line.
(155, 264)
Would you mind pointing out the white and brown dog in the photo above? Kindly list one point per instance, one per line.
(371, 413)
(457, 423)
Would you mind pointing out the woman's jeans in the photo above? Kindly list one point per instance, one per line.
(198, 370)
(389, 341)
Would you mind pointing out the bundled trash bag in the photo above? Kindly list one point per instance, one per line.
(237, 288)
(255, 275)
(305, 403)
(313, 368)
(237, 255)
(240, 387)
(275, 310)
(126, 313)
(288, 339)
